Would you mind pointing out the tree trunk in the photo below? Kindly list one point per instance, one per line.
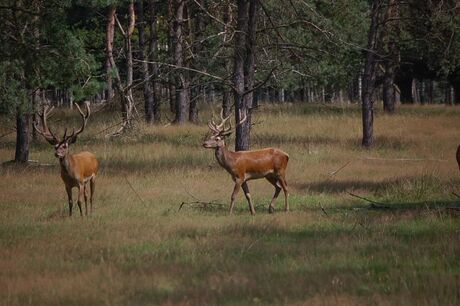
(369, 78)
(153, 48)
(110, 31)
(128, 102)
(149, 98)
(226, 94)
(181, 80)
(195, 38)
(388, 91)
(242, 141)
(22, 138)
(392, 56)
(248, 68)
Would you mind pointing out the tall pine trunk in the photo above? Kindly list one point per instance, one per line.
(22, 138)
(181, 79)
(110, 31)
(369, 78)
(153, 49)
(242, 141)
(149, 98)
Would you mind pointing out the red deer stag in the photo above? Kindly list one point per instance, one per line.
(269, 163)
(76, 169)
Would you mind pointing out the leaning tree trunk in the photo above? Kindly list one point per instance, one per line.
(125, 92)
(369, 78)
(149, 98)
(22, 138)
(110, 32)
(242, 141)
(181, 80)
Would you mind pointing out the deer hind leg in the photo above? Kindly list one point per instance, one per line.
(236, 189)
(92, 183)
(68, 189)
(81, 191)
(248, 197)
(274, 182)
(283, 184)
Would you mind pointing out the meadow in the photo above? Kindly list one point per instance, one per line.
(160, 233)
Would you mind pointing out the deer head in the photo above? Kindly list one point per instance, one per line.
(61, 145)
(219, 132)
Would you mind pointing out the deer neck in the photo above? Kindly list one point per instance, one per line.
(224, 157)
(66, 164)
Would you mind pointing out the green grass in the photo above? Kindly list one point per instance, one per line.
(138, 248)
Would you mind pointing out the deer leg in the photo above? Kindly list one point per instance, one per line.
(81, 191)
(234, 194)
(248, 197)
(68, 189)
(282, 181)
(86, 198)
(273, 181)
(92, 183)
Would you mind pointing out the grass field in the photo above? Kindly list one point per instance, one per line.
(138, 248)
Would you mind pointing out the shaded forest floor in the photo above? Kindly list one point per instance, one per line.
(138, 248)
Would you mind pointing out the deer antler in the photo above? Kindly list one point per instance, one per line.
(45, 131)
(220, 128)
(73, 137)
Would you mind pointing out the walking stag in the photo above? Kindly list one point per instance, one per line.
(269, 163)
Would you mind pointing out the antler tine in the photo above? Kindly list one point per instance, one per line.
(84, 118)
(45, 131)
(222, 124)
(212, 127)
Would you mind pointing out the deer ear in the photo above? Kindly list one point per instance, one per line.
(225, 134)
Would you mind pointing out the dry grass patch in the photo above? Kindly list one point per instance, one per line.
(138, 248)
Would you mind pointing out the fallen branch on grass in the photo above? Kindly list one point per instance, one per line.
(374, 204)
(134, 190)
(458, 196)
(204, 205)
(337, 171)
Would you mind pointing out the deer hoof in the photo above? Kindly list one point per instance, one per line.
(271, 209)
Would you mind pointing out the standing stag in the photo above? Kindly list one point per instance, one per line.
(269, 163)
(76, 169)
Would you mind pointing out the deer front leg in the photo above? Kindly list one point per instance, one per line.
(68, 189)
(86, 198)
(248, 197)
(81, 191)
(234, 194)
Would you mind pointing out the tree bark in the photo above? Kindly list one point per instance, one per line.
(110, 31)
(149, 98)
(249, 70)
(242, 141)
(181, 79)
(153, 48)
(369, 78)
(392, 56)
(22, 138)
